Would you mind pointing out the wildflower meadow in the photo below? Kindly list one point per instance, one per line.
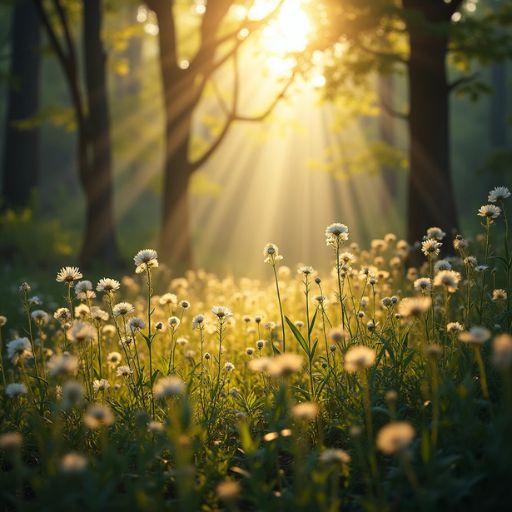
(381, 385)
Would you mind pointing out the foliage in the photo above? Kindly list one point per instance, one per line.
(137, 398)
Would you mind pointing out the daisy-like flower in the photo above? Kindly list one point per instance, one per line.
(358, 358)
(114, 358)
(499, 295)
(40, 317)
(100, 385)
(72, 394)
(442, 265)
(435, 233)
(198, 322)
(306, 411)
(123, 371)
(395, 437)
(502, 351)
(145, 259)
(285, 365)
(477, 335)
(174, 322)
(454, 327)
(122, 309)
(459, 243)
(335, 456)
(73, 464)
(168, 387)
(11, 441)
(271, 253)
(107, 285)
(18, 348)
(305, 270)
(64, 364)
(167, 299)
(431, 247)
(84, 291)
(99, 314)
(136, 324)
(423, 285)
(16, 389)
(82, 311)
(62, 315)
(3, 320)
(69, 275)
(184, 304)
(449, 279)
(81, 332)
(221, 312)
(229, 367)
(498, 194)
(97, 416)
(414, 306)
(489, 211)
(336, 233)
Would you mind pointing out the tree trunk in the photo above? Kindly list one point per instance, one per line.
(99, 238)
(387, 136)
(21, 147)
(431, 199)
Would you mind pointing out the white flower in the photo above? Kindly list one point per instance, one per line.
(498, 194)
(477, 335)
(174, 322)
(168, 386)
(306, 411)
(98, 415)
(72, 394)
(423, 284)
(107, 285)
(442, 265)
(64, 364)
(499, 295)
(229, 367)
(145, 259)
(197, 321)
(435, 233)
(100, 385)
(358, 358)
(168, 298)
(414, 306)
(454, 327)
(136, 324)
(271, 253)
(73, 463)
(98, 314)
(221, 312)
(448, 278)
(68, 275)
(430, 247)
(81, 332)
(336, 233)
(15, 389)
(284, 365)
(333, 455)
(18, 348)
(394, 437)
(83, 290)
(114, 358)
(122, 309)
(62, 315)
(123, 371)
(39, 316)
(489, 211)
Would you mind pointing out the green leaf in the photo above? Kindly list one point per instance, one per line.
(298, 336)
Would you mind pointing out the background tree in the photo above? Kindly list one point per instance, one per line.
(182, 87)
(422, 37)
(91, 110)
(21, 143)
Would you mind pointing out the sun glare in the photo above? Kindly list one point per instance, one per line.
(286, 34)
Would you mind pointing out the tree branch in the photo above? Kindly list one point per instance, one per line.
(463, 80)
(392, 112)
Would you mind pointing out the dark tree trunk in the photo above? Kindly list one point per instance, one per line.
(387, 136)
(99, 238)
(431, 199)
(21, 147)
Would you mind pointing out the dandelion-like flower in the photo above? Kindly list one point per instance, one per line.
(454, 327)
(100, 385)
(306, 411)
(335, 456)
(136, 324)
(395, 437)
(73, 464)
(477, 335)
(221, 312)
(198, 322)
(414, 306)
(69, 275)
(423, 284)
(358, 358)
(72, 394)
(123, 371)
(167, 299)
(435, 233)
(16, 389)
(499, 295)
(114, 358)
(18, 348)
(62, 315)
(229, 367)
(81, 332)
(449, 279)
(285, 365)
(489, 211)
(145, 259)
(431, 247)
(64, 364)
(97, 416)
(271, 253)
(84, 291)
(498, 194)
(122, 309)
(336, 233)
(107, 285)
(168, 387)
